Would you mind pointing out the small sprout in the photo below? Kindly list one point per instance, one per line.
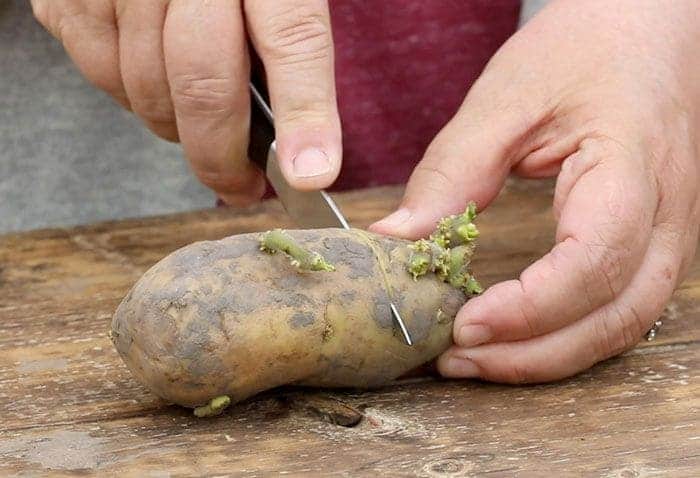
(420, 245)
(471, 211)
(441, 316)
(440, 240)
(458, 229)
(459, 266)
(448, 252)
(427, 256)
(301, 258)
(215, 407)
(467, 232)
(472, 287)
(440, 257)
(418, 264)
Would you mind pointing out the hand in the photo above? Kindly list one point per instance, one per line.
(605, 95)
(182, 66)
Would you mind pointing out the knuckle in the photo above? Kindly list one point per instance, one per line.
(153, 109)
(62, 25)
(296, 37)
(240, 179)
(121, 9)
(678, 191)
(435, 178)
(681, 173)
(618, 331)
(71, 21)
(40, 10)
(676, 161)
(216, 179)
(616, 242)
(69, 26)
(530, 316)
(108, 80)
(690, 248)
(607, 255)
(607, 264)
(313, 112)
(205, 95)
(155, 116)
(166, 131)
(625, 205)
(519, 372)
(529, 312)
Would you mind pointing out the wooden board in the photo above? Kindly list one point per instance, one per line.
(70, 406)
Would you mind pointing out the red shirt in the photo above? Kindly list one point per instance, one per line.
(403, 68)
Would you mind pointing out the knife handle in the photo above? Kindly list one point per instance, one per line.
(262, 129)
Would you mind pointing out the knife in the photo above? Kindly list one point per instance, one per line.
(313, 209)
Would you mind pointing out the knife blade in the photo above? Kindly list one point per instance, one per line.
(313, 209)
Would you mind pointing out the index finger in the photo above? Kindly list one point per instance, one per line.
(294, 41)
(206, 60)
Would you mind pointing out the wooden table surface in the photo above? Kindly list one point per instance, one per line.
(70, 406)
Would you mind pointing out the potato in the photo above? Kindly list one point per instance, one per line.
(225, 318)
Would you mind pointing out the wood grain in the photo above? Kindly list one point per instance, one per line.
(70, 406)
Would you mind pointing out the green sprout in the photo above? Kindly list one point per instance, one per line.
(279, 241)
(215, 407)
(448, 252)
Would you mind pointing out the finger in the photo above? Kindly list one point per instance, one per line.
(691, 242)
(679, 208)
(207, 67)
(142, 64)
(294, 41)
(89, 34)
(602, 237)
(467, 161)
(608, 331)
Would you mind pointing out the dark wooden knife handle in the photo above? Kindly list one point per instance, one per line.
(262, 130)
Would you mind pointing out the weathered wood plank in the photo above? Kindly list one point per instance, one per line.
(70, 405)
(80, 368)
(625, 416)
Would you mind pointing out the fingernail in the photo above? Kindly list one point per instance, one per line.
(461, 368)
(473, 334)
(311, 162)
(396, 218)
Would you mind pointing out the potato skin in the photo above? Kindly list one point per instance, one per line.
(224, 318)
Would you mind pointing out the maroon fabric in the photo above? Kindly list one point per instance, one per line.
(402, 70)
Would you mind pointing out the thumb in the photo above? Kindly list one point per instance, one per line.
(468, 160)
(295, 43)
